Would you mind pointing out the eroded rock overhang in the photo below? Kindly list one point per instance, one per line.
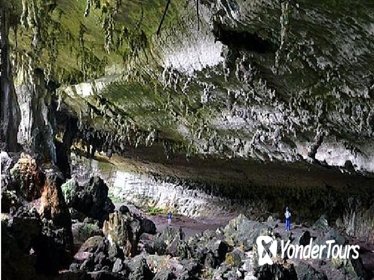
(272, 81)
(267, 81)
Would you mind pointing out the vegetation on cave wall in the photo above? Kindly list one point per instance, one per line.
(75, 40)
(290, 76)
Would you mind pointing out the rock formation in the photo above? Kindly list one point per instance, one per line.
(245, 106)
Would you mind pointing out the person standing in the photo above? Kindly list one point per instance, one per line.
(287, 215)
(169, 216)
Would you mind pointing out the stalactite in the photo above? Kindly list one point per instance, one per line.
(25, 13)
(284, 23)
(117, 4)
(108, 27)
(10, 111)
(52, 51)
(36, 26)
(88, 8)
(150, 138)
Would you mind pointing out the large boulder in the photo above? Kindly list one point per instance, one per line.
(70, 190)
(26, 226)
(28, 177)
(139, 269)
(84, 230)
(43, 247)
(91, 199)
(321, 224)
(305, 237)
(124, 230)
(91, 244)
(41, 185)
(39, 220)
(243, 232)
(52, 203)
(167, 242)
(148, 226)
(54, 248)
(6, 161)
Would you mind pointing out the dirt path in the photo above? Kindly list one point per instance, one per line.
(190, 226)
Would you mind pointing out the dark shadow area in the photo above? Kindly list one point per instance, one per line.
(242, 40)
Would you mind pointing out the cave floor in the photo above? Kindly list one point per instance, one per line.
(193, 226)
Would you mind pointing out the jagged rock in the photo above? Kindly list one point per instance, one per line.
(211, 252)
(51, 245)
(333, 234)
(307, 272)
(138, 268)
(101, 258)
(124, 230)
(159, 246)
(91, 199)
(91, 244)
(220, 272)
(276, 271)
(183, 250)
(243, 232)
(73, 275)
(352, 267)
(42, 188)
(321, 223)
(124, 209)
(82, 231)
(219, 249)
(164, 275)
(9, 199)
(54, 248)
(118, 265)
(304, 239)
(106, 275)
(82, 256)
(223, 272)
(234, 258)
(103, 246)
(115, 252)
(167, 241)
(29, 177)
(52, 203)
(33, 182)
(26, 227)
(210, 260)
(76, 215)
(6, 163)
(16, 262)
(70, 189)
(88, 264)
(148, 226)
(190, 270)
